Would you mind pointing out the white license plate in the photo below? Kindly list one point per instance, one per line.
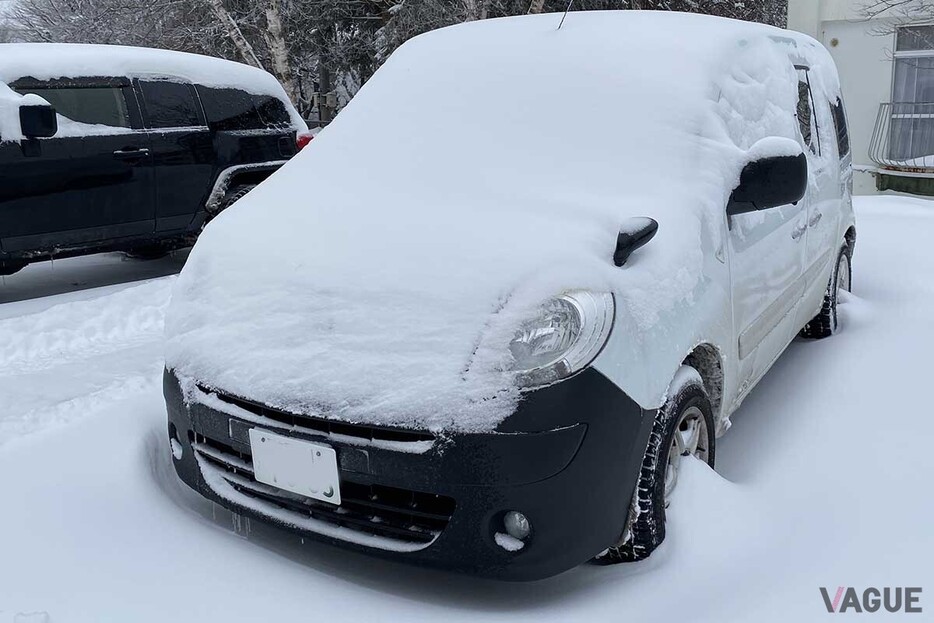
(298, 466)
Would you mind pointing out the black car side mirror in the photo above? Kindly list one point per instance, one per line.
(38, 121)
(633, 234)
(768, 183)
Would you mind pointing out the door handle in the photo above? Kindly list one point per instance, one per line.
(798, 232)
(815, 219)
(131, 154)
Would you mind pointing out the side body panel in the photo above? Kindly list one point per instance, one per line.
(79, 186)
(184, 159)
(779, 269)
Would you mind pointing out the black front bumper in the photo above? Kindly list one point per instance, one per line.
(440, 501)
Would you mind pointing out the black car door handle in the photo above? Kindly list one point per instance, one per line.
(131, 154)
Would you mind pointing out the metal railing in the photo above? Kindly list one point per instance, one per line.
(903, 137)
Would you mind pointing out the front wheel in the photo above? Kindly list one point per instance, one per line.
(683, 428)
(148, 252)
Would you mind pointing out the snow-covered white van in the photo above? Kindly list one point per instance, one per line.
(484, 337)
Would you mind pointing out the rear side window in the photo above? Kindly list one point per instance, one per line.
(94, 105)
(843, 132)
(169, 104)
(233, 109)
(271, 110)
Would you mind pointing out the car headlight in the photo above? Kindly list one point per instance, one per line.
(563, 338)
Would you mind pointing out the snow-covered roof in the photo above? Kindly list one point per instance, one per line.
(45, 61)
(482, 169)
(48, 61)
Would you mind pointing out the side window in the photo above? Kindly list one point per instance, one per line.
(92, 105)
(229, 109)
(169, 104)
(272, 111)
(806, 120)
(843, 132)
(233, 109)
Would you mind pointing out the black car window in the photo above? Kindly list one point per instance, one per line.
(806, 115)
(271, 110)
(233, 109)
(169, 104)
(843, 132)
(229, 109)
(95, 105)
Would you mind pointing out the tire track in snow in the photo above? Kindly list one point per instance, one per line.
(83, 329)
(71, 360)
(61, 413)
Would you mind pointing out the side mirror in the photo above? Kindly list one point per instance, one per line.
(770, 182)
(633, 234)
(38, 121)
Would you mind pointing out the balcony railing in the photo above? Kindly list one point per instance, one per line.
(903, 138)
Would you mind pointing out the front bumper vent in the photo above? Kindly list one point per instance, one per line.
(388, 512)
(326, 426)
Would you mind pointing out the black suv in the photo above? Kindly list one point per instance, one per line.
(132, 164)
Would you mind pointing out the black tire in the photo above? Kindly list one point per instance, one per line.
(149, 252)
(825, 323)
(9, 268)
(646, 523)
(231, 197)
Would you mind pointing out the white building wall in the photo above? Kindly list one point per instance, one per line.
(864, 60)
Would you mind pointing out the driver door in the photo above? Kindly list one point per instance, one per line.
(768, 256)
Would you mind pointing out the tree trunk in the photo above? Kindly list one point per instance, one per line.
(325, 112)
(476, 9)
(536, 6)
(234, 33)
(279, 50)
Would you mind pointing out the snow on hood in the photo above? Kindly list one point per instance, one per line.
(380, 275)
(49, 61)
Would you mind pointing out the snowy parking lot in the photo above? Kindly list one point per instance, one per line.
(824, 479)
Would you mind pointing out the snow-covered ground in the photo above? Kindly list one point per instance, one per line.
(824, 479)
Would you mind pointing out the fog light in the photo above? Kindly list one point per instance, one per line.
(174, 443)
(517, 525)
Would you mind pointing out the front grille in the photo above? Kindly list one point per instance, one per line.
(324, 425)
(388, 512)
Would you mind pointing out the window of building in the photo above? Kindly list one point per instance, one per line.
(912, 115)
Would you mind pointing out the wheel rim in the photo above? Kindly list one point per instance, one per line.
(690, 439)
(843, 274)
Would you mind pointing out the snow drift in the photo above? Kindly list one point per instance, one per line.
(380, 275)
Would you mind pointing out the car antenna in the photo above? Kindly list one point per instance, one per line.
(561, 23)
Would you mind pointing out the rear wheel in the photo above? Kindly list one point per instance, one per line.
(683, 428)
(825, 323)
(232, 196)
(9, 267)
